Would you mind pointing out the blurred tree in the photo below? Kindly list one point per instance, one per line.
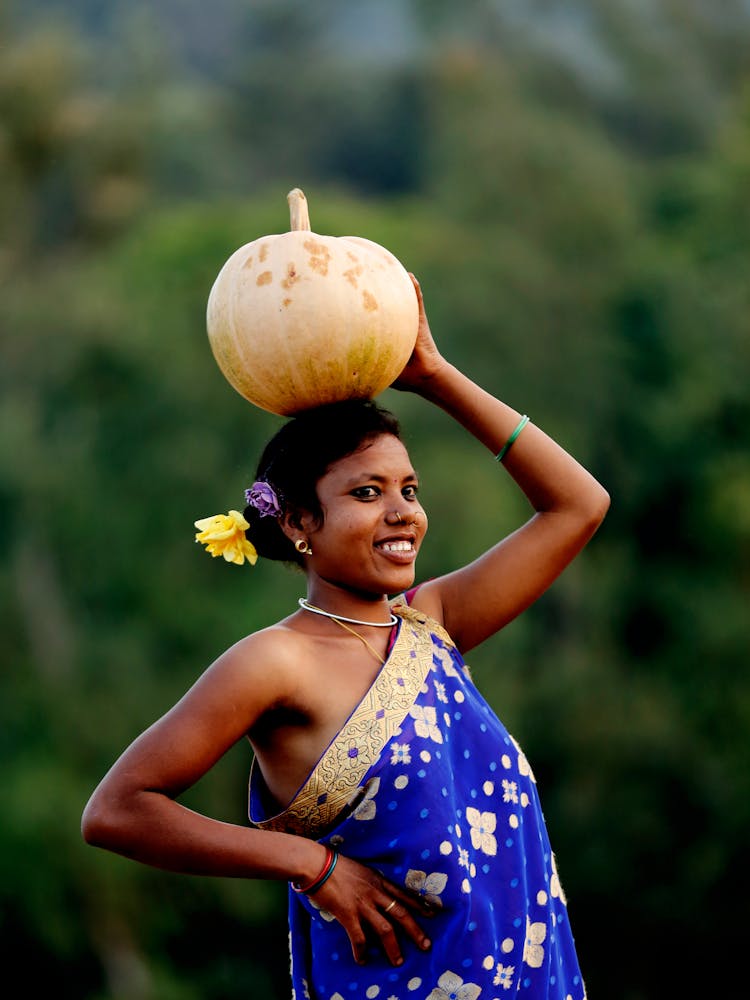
(579, 223)
(664, 720)
(69, 168)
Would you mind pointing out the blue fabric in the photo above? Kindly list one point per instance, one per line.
(450, 810)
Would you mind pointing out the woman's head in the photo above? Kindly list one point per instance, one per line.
(299, 454)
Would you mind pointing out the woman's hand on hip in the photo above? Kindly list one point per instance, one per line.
(372, 909)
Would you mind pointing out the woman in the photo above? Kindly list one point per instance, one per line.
(384, 788)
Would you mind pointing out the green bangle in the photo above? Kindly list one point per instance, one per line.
(504, 450)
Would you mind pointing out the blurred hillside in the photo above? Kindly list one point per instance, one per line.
(571, 184)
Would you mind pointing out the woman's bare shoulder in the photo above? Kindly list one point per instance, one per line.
(254, 675)
(267, 657)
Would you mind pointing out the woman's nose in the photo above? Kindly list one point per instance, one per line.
(395, 517)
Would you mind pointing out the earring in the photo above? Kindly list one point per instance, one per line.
(302, 547)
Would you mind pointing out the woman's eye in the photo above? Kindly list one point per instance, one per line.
(410, 492)
(366, 492)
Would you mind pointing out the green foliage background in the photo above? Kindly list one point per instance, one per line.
(571, 184)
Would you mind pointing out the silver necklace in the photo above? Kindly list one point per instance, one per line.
(303, 603)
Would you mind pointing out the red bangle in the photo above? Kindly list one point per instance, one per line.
(317, 882)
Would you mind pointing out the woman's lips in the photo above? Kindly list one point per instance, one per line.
(398, 550)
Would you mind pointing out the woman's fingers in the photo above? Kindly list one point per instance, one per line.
(385, 925)
(373, 911)
(386, 931)
(398, 916)
(358, 942)
(411, 901)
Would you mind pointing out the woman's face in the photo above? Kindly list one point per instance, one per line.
(372, 524)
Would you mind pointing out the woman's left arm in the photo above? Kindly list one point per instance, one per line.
(476, 601)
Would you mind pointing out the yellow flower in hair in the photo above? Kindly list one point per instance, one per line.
(224, 535)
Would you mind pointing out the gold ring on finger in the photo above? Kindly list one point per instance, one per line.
(390, 906)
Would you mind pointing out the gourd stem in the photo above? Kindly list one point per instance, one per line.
(298, 213)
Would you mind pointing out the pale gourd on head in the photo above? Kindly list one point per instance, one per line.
(298, 320)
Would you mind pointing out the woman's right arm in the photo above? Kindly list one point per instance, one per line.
(134, 810)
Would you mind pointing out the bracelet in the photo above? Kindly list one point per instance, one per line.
(325, 873)
(505, 448)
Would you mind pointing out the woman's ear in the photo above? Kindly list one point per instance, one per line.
(295, 521)
(290, 524)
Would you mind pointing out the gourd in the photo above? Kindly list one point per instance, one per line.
(298, 320)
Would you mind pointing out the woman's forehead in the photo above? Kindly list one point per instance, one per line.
(382, 456)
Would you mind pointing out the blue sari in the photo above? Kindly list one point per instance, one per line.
(424, 784)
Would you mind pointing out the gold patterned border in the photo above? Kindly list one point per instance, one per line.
(334, 782)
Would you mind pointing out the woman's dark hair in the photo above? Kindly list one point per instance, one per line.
(300, 453)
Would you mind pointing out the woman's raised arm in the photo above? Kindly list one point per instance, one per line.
(477, 600)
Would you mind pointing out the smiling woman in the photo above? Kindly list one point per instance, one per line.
(327, 457)
(384, 788)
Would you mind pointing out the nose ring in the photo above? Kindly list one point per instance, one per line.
(400, 518)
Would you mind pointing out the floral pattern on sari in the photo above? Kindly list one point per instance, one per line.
(441, 800)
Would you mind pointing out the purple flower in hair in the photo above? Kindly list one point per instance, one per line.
(262, 496)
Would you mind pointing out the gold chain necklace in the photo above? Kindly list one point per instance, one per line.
(361, 637)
